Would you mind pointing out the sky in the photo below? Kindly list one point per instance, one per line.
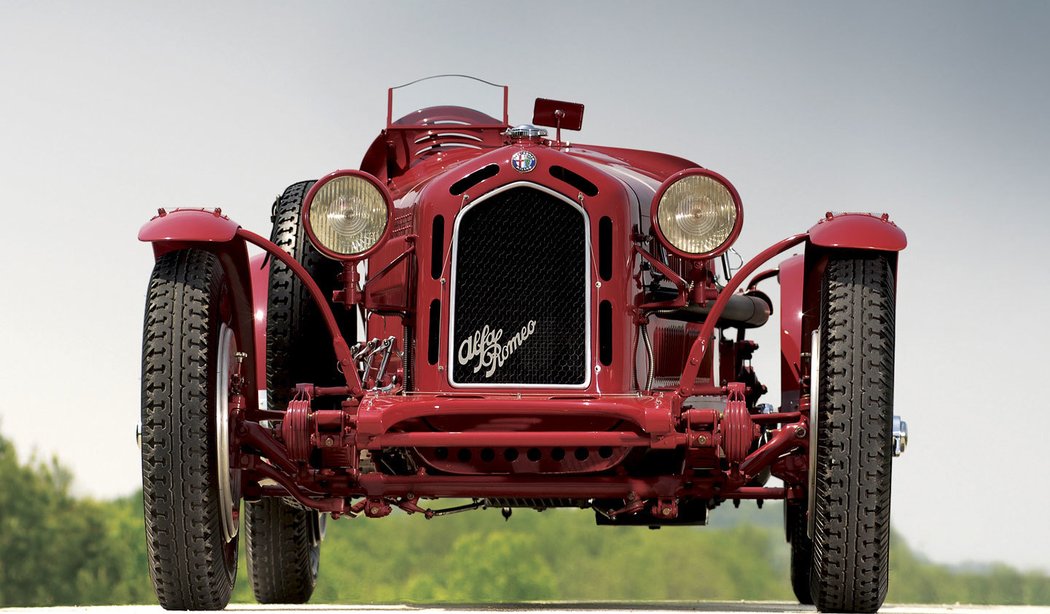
(935, 112)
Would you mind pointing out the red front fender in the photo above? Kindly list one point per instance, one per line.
(791, 275)
(211, 231)
(171, 230)
(800, 279)
(858, 231)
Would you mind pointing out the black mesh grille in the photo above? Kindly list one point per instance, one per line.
(521, 258)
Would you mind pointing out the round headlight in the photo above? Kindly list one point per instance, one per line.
(347, 215)
(697, 215)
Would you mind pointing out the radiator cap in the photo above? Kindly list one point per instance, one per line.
(526, 131)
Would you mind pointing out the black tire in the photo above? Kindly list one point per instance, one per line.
(298, 344)
(851, 525)
(801, 551)
(192, 558)
(283, 551)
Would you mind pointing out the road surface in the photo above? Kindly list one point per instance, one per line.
(712, 607)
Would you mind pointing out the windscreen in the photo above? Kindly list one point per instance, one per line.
(448, 99)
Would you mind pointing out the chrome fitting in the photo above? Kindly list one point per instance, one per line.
(900, 436)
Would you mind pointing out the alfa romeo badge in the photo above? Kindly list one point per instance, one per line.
(523, 161)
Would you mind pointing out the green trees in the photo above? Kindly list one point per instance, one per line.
(915, 580)
(56, 549)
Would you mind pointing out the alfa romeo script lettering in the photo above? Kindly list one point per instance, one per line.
(484, 346)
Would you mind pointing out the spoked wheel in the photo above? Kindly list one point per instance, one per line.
(853, 423)
(284, 550)
(191, 496)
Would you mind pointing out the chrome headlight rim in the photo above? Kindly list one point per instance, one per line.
(670, 182)
(308, 202)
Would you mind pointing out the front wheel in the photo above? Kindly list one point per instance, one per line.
(853, 421)
(284, 550)
(191, 497)
(796, 525)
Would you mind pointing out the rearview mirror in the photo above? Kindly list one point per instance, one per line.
(558, 114)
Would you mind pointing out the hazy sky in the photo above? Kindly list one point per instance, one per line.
(936, 112)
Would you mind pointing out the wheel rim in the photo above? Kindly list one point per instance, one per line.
(228, 498)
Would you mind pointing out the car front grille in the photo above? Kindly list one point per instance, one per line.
(520, 308)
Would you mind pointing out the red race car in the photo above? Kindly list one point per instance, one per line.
(545, 324)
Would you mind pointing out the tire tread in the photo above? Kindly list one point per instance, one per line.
(298, 346)
(282, 557)
(852, 502)
(189, 562)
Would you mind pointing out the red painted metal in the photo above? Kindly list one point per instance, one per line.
(575, 488)
(189, 225)
(683, 286)
(513, 438)
(760, 277)
(332, 505)
(252, 435)
(298, 430)
(738, 431)
(260, 273)
(791, 278)
(342, 350)
(858, 231)
(784, 440)
(558, 114)
(655, 415)
(696, 437)
(686, 385)
(379, 485)
(390, 288)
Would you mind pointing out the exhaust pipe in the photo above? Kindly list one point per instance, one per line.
(749, 310)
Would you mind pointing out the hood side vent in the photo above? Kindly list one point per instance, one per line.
(576, 180)
(473, 179)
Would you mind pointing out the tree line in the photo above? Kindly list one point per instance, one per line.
(58, 549)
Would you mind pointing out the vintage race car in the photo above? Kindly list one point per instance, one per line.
(545, 324)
